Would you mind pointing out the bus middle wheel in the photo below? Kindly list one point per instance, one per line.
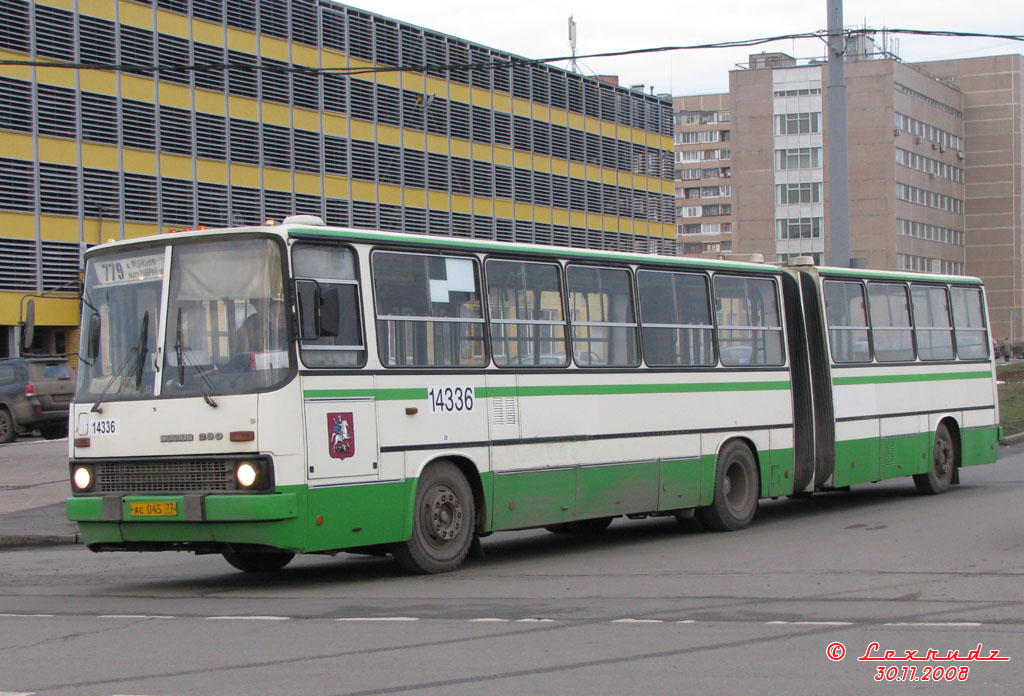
(736, 490)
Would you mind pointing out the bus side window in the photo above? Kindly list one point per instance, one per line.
(969, 320)
(749, 325)
(675, 318)
(331, 269)
(889, 309)
(602, 315)
(933, 328)
(847, 321)
(429, 311)
(524, 303)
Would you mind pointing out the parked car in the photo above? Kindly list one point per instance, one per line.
(35, 394)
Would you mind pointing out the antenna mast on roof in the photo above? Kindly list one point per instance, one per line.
(573, 65)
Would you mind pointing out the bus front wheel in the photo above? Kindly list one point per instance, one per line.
(736, 490)
(258, 561)
(442, 522)
(944, 458)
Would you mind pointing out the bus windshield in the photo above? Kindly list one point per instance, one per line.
(226, 323)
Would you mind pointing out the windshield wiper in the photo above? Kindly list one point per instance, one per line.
(138, 352)
(181, 353)
(143, 350)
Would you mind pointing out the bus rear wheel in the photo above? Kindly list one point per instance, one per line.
(944, 461)
(258, 561)
(736, 490)
(442, 522)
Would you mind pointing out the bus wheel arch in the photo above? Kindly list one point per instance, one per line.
(444, 518)
(945, 460)
(737, 487)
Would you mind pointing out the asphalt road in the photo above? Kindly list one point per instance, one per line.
(644, 608)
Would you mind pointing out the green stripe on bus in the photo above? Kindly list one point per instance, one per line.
(894, 379)
(555, 390)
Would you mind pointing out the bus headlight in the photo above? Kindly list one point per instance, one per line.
(246, 474)
(82, 478)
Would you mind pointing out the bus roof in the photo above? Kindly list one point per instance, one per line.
(307, 231)
(895, 275)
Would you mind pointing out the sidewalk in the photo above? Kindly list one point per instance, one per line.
(33, 487)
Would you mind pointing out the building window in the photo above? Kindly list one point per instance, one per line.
(803, 122)
(808, 192)
(798, 158)
(799, 228)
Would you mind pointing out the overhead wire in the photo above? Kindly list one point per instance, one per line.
(512, 61)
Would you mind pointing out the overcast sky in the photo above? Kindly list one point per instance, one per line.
(538, 29)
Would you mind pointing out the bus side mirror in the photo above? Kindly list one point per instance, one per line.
(28, 327)
(319, 306)
(92, 348)
(328, 308)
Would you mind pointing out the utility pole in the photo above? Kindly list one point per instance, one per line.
(838, 164)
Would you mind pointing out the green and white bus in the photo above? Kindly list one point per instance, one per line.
(266, 391)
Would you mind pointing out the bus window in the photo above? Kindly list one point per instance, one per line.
(969, 320)
(889, 310)
(332, 268)
(524, 300)
(932, 326)
(675, 318)
(847, 321)
(428, 310)
(749, 329)
(602, 315)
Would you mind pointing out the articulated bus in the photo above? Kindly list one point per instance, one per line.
(266, 391)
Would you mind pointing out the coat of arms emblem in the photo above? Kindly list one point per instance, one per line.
(341, 435)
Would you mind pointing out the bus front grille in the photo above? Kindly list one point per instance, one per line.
(168, 476)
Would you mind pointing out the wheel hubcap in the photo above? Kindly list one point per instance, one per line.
(444, 515)
(943, 457)
(735, 486)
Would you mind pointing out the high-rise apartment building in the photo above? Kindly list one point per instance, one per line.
(218, 112)
(934, 164)
(703, 174)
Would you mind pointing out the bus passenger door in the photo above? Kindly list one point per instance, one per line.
(341, 433)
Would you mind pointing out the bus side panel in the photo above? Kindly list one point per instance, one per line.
(783, 462)
(616, 489)
(679, 481)
(903, 446)
(533, 498)
(979, 445)
(357, 515)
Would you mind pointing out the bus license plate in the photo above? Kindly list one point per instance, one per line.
(165, 508)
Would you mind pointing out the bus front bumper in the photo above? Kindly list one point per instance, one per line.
(183, 508)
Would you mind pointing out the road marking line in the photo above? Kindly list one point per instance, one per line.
(29, 616)
(953, 624)
(687, 621)
(17, 693)
(638, 621)
(534, 620)
(809, 623)
(135, 616)
(379, 618)
(487, 619)
(248, 618)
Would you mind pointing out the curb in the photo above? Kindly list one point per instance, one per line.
(1012, 439)
(35, 540)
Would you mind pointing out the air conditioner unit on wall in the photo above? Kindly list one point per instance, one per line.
(917, 139)
(895, 131)
(960, 154)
